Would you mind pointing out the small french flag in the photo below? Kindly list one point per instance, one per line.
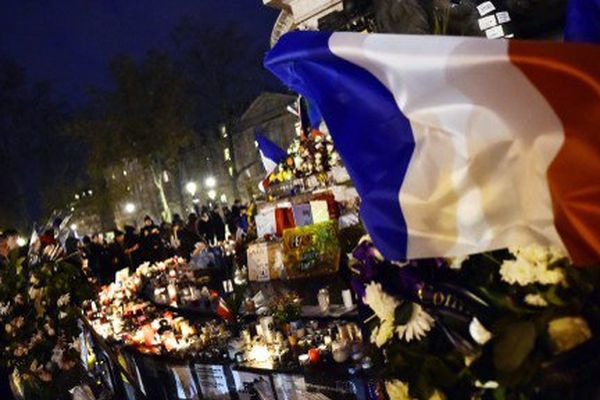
(270, 154)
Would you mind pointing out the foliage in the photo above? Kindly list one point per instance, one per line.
(143, 121)
(31, 119)
(39, 312)
(514, 324)
(286, 307)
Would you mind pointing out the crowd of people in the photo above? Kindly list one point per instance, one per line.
(130, 247)
(152, 242)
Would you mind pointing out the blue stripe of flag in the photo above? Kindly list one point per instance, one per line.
(372, 135)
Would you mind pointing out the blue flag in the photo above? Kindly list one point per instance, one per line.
(270, 153)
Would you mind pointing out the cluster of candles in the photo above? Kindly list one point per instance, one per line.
(310, 344)
(121, 315)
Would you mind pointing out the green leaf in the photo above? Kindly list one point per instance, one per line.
(553, 297)
(513, 346)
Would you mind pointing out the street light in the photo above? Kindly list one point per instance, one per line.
(210, 182)
(129, 208)
(73, 227)
(212, 194)
(191, 187)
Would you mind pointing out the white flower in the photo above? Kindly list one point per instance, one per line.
(518, 271)
(478, 332)
(33, 280)
(538, 254)
(531, 266)
(382, 333)
(547, 276)
(49, 329)
(4, 309)
(456, 262)
(487, 385)
(34, 293)
(397, 390)
(382, 304)
(63, 300)
(34, 366)
(417, 326)
(535, 300)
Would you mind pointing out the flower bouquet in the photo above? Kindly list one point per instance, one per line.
(39, 315)
(520, 323)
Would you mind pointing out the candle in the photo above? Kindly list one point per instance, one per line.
(314, 355)
(347, 297)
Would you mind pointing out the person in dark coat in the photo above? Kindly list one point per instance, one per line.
(132, 247)
(228, 215)
(186, 240)
(118, 258)
(218, 224)
(205, 226)
(150, 241)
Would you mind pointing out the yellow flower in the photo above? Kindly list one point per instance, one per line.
(397, 390)
(568, 332)
(382, 333)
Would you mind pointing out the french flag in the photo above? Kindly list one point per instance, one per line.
(270, 154)
(459, 145)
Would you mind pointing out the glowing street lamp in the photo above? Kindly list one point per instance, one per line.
(73, 227)
(129, 208)
(191, 188)
(210, 182)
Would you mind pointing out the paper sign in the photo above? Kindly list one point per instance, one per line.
(212, 381)
(290, 387)
(302, 214)
(258, 262)
(485, 7)
(186, 388)
(320, 211)
(265, 223)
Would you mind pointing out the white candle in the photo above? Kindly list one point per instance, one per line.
(347, 297)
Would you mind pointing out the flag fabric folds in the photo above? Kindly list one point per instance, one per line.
(270, 153)
(459, 145)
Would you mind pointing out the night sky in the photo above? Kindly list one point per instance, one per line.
(69, 42)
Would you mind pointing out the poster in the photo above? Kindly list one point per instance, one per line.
(302, 214)
(265, 222)
(311, 250)
(248, 382)
(290, 387)
(186, 387)
(212, 381)
(258, 262)
(319, 211)
(265, 261)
